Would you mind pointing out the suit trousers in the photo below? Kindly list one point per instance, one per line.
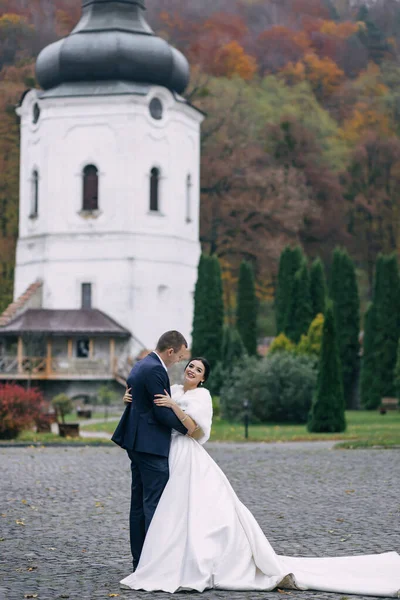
(150, 474)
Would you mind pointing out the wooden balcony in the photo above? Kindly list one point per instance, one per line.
(39, 368)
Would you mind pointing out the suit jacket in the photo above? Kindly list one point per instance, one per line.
(144, 426)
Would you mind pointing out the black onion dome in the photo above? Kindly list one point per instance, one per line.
(112, 42)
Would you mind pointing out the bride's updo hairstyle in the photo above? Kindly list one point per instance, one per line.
(206, 365)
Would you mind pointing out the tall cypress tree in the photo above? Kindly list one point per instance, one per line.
(327, 413)
(397, 372)
(346, 306)
(200, 314)
(381, 335)
(233, 349)
(300, 311)
(247, 307)
(318, 289)
(367, 379)
(208, 317)
(370, 385)
(289, 264)
(387, 330)
(216, 312)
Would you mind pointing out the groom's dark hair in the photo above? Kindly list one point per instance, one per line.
(171, 339)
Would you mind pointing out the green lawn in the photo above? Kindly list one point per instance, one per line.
(364, 427)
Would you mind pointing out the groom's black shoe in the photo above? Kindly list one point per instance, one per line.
(134, 565)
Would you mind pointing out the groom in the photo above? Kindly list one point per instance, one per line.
(144, 431)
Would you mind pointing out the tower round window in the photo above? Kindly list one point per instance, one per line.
(156, 109)
(36, 113)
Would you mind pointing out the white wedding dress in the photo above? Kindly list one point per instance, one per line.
(203, 537)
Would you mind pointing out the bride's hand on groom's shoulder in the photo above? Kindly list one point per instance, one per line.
(164, 400)
(128, 396)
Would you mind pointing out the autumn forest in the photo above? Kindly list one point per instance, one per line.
(301, 144)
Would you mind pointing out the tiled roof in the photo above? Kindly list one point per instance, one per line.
(64, 322)
(16, 307)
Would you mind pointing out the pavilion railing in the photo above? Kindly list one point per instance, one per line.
(48, 367)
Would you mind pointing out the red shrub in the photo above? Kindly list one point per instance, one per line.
(19, 408)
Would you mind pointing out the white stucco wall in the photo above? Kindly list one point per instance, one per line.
(142, 265)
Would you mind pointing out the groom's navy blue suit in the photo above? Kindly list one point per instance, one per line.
(144, 431)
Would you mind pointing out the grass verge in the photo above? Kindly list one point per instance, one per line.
(364, 429)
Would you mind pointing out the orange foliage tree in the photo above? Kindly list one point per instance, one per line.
(323, 74)
(217, 47)
(232, 60)
(363, 107)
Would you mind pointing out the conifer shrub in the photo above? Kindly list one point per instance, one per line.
(208, 319)
(381, 335)
(346, 306)
(300, 311)
(233, 351)
(397, 372)
(369, 393)
(311, 343)
(289, 264)
(327, 414)
(281, 344)
(318, 288)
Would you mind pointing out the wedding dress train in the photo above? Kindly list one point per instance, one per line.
(203, 537)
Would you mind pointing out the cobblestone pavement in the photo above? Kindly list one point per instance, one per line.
(64, 513)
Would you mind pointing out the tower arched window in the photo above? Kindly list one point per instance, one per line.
(34, 210)
(155, 190)
(189, 198)
(90, 188)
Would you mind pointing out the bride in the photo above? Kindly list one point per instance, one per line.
(203, 537)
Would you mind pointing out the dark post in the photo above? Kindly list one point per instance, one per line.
(246, 419)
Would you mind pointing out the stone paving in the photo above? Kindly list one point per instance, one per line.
(64, 513)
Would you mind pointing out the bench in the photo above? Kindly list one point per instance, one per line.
(388, 404)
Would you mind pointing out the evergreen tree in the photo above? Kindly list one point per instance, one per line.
(381, 335)
(208, 317)
(327, 413)
(216, 308)
(387, 330)
(346, 306)
(233, 349)
(200, 307)
(367, 380)
(247, 306)
(318, 289)
(397, 372)
(289, 264)
(300, 312)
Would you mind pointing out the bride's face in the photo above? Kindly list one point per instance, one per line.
(194, 373)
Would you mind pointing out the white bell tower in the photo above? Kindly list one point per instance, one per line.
(109, 188)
